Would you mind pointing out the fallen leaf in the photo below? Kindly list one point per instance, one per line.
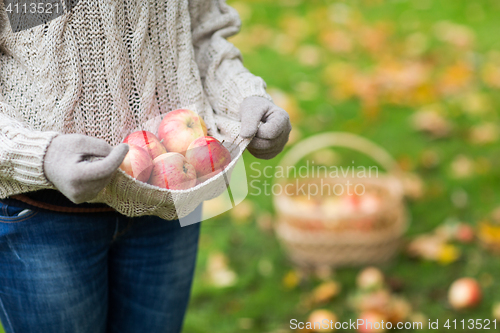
(337, 41)
(219, 273)
(429, 158)
(291, 280)
(323, 272)
(284, 44)
(448, 253)
(243, 211)
(265, 222)
(455, 78)
(462, 167)
(484, 133)
(294, 26)
(490, 74)
(400, 310)
(295, 135)
(243, 9)
(413, 186)
(374, 38)
(286, 102)
(260, 35)
(426, 246)
(309, 55)
(325, 292)
(418, 317)
(459, 35)
(215, 206)
(431, 121)
(340, 13)
(306, 91)
(496, 311)
(489, 236)
(416, 44)
(475, 103)
(326, 157)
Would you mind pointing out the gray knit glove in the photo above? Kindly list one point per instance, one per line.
(272, 135)
(80, 166)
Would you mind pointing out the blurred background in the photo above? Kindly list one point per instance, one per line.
(420, 78)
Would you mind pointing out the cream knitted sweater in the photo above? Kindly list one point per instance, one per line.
(106, 68)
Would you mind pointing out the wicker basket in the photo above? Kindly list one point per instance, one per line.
(315, 237)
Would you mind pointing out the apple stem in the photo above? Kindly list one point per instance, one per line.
(223, 141)
(161, 141)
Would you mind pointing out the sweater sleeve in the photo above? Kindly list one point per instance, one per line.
(225, 80)
(22, 151)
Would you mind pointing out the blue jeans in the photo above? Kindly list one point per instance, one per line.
(93, 273)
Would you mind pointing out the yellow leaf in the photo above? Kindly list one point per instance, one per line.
(337, 41)
(456, 34)
(455, 78)
(242, 212)
(488, 232)
(448, 254)
(484, 133)
(286, 102)
(325, 292)
(291, 280)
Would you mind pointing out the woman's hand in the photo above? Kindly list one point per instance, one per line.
(272, 135)
(80, 166)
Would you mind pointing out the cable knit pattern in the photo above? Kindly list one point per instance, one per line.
(109, 67)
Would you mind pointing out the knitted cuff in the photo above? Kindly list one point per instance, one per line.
(236, 89)
(26, 158)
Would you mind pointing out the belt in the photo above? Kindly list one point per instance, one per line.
(54, 200)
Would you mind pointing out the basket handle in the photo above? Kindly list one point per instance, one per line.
(340, 139)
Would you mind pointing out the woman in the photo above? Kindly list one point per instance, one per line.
(71, 89)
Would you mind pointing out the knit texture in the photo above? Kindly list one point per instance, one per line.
(109, 67)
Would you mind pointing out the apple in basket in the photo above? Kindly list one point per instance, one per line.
(179, 128)
(137, 163)
(172, 171)
(208, 156)
(147, 141)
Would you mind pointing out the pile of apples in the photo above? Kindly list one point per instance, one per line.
(180, 157)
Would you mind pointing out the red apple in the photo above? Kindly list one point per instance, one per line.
(464, 293)
(322, 321)
(137, 163)
(172, 171)
(147, 141)
(371, 321)
(208, 156)
(179, 128)
(465, 233)
(370, 278)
